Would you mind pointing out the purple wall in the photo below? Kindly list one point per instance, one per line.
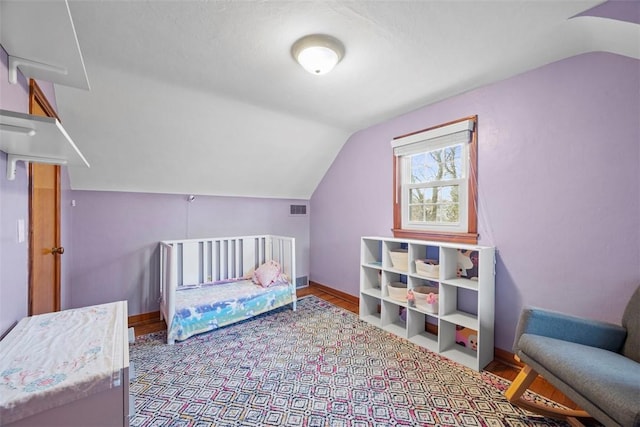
(115, 238)
(622, 10)
(13, 255)
(14, 205)
(559, 188)
(66, 221)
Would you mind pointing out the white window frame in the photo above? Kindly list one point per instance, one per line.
(425, 141)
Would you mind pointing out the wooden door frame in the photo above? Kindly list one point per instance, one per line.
(37, 96)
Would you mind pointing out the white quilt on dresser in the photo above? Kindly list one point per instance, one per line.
(56, 358)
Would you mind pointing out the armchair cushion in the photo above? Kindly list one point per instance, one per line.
(605, 379)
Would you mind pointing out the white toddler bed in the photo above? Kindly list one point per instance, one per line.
(207, 283)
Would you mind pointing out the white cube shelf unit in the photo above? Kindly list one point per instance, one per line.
(465, 279)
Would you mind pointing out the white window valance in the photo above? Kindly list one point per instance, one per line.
(455, 133)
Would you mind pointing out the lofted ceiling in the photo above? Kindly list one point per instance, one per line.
(203, 97)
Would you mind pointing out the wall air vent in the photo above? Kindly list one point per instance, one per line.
(297, 209)
(302, 282)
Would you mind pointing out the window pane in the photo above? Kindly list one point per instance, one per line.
(448, 213)
(416, 213)
(438, 205)
(448, 193)
(437, 165)
(417, 195)
(431, 212)
(452, 162)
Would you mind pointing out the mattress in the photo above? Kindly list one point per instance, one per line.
(53, 359)
(204, 308)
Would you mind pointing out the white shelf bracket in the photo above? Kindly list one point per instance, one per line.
(18, 129)
(26, 64)
(13, 159)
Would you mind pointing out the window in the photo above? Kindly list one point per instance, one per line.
(435, 183)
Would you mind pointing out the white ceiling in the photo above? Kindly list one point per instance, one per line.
(203, 97)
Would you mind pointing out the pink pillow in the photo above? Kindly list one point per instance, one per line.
(267, 274)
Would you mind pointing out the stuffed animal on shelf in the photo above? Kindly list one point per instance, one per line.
(467, 337)
(468, 264)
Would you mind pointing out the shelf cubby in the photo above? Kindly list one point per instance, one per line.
(370, 309)
(371, 253)
(417, 329)
(420, 251)
(451, 308)
(389, 276)
(391, 321)
(387, 263)
(370, 280)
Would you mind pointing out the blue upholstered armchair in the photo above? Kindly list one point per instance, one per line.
(595, 364)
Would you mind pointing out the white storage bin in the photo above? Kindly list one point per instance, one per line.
(428, 268)
(427, 298)
(397, 291)
(399, 259)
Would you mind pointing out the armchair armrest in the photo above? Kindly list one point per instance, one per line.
(565, 327)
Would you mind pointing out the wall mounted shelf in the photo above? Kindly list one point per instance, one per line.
(29, 138)
(41, 41)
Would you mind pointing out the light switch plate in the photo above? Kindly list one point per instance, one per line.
(20, 230)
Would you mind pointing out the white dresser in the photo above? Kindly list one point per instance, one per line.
(69, 368)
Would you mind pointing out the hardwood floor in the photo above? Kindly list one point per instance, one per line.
(501, 368)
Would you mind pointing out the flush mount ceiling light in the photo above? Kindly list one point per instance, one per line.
(318, 53)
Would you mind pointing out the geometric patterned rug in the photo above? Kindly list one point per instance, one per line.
(317, 366)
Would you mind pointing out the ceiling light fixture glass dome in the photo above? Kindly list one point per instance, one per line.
(318, 53)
